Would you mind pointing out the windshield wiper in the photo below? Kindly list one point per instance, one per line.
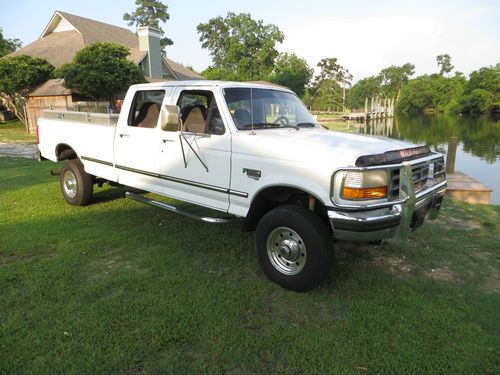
(273, 125)
(307, 124)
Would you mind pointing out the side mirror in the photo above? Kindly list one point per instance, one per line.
(170, 117)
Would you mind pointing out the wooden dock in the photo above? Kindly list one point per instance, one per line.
(380, 108)
(467, 189)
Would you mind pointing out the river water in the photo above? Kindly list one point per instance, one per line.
(478, 151)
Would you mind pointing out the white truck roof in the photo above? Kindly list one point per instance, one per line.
(209, 83)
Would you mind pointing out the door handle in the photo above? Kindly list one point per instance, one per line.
(124, 135)
(167, 140)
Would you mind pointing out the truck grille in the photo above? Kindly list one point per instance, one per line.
(425, 175)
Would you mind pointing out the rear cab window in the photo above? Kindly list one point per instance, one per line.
(145, 109)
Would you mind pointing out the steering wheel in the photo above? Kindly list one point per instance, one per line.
(283, 120)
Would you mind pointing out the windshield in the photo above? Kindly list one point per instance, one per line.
(266, 108)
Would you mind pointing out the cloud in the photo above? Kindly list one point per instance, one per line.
(366, 45)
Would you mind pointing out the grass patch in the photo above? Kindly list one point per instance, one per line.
(15, 132)
(122, 287)
(340, 126)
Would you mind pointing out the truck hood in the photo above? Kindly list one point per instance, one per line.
(307, 145)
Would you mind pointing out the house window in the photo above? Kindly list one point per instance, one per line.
(145, 109)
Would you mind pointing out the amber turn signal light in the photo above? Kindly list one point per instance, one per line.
(364, 193)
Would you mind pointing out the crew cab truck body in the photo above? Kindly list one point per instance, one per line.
(255, 152)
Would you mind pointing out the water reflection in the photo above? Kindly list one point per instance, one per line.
(479, 136)
(478, 150)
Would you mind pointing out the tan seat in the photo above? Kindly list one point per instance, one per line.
(152, 112)
(195, 120)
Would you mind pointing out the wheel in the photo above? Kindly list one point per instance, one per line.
(294, 247)
(76, 184)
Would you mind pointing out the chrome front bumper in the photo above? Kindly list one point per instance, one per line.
(397, 219)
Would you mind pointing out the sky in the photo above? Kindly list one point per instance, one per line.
(365, 36)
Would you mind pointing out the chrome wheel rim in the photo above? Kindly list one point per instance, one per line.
(286, 250)
(69, 184)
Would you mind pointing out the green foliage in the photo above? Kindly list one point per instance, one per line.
(486, 78)
(444, 64)
(478, 101)
(330, 85)
(434, 92)
(416, 95)
(482, 92)
(101, 71)
(215, 73)
(242, 48)
(332, 70)
(394, 78)
(291, 71)
(150, 13)
(365, 88)
(326, 96)
(8, 45)
(18, 76)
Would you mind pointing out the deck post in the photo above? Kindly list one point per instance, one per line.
(451, 155)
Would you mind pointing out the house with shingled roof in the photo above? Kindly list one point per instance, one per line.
(66, 34)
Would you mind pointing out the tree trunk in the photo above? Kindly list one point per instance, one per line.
(112, 105)
(16, 105)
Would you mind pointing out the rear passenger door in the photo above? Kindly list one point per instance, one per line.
(196, 159)
(138, 142)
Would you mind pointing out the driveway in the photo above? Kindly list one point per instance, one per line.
(20, 150)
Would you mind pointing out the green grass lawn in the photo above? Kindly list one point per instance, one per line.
(15, 132)
(122, 287)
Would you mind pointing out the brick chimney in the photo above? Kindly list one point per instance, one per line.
(149, 41)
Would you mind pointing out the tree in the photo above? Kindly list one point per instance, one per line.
(365, 88)
(482, 92)
(18, 76)
(8, 45)
(291, 71)
(432, 93)
(101, 71)
(331, 70)
(394, 78)
(417, 95)
(241, 48)
(327, 95)
(150, 13)
(444, 64)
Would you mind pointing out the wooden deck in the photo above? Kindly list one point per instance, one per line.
(467, 189)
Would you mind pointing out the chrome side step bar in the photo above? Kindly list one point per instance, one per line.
(168, 207)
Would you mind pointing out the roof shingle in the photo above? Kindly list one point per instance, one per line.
(60, 47)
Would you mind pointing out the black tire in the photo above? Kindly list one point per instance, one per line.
(76, 185)
(289, 230)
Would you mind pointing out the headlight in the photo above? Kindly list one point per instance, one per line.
(371, 184)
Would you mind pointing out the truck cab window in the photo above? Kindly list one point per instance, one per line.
(145, 109)
(199, 113)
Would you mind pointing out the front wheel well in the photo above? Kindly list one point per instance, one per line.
(275, 196)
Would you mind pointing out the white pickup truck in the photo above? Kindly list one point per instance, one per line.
(254, 152)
